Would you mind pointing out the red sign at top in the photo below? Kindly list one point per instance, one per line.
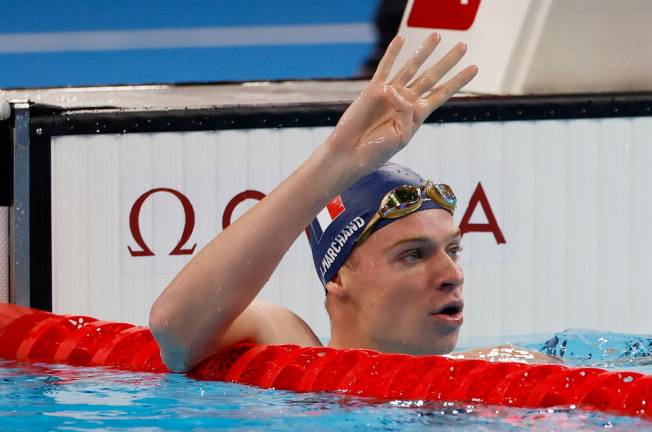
(443, 14)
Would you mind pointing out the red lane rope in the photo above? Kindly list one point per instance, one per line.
(28, 334)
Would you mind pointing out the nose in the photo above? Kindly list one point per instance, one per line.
(447, 272)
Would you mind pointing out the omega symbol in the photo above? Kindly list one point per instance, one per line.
(189, 225)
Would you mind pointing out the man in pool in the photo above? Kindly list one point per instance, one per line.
(388, 259)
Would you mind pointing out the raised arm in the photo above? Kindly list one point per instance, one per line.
(202, 308)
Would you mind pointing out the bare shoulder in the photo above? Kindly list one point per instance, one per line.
(268, 323)
(506, 353)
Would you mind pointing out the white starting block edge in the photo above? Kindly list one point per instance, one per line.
(551, 46)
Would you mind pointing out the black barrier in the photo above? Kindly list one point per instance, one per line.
(5, 164)
(49, 121)
(40, 223)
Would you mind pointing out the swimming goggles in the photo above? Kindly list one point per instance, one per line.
(406, 199)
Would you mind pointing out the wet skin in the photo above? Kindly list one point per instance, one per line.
(401, 290)
(210, 303)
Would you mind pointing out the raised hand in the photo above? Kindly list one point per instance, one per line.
(208, 305)
(383, 119)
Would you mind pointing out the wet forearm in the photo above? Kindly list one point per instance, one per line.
(199, 305)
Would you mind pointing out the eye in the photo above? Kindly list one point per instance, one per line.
(413, 255)
(454, 251)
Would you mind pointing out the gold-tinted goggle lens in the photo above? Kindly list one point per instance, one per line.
(400, 201)
(443, 195)
(406, 199)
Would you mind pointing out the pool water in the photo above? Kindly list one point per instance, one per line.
(583, 347)
(54, 397)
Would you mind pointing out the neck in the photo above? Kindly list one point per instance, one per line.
(347, 332)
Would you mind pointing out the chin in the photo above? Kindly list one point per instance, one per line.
(446, 344)
(438, 344)
(447, 349)
(438, 348)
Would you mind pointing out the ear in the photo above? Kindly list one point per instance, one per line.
(336, 286)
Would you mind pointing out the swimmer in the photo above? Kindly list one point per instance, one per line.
(387, 253)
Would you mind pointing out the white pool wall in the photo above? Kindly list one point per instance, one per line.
(570, 197)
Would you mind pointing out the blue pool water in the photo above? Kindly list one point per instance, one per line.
(54, 397)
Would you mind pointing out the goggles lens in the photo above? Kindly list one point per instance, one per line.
(443, 195)
(401, 200)
(406, 199)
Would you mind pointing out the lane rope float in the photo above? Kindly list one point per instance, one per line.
(32, 335)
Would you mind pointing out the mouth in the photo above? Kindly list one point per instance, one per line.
(450, 313)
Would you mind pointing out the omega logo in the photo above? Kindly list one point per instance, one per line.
(478, 198)
(189, 225)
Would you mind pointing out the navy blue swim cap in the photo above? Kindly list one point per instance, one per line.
(335, 230)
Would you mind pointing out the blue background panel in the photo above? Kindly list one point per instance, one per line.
(71, 15)
(181, 65)
(293, 60)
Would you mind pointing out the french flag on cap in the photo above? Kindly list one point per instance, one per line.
(325, 217)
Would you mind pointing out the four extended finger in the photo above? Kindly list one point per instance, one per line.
(387, 62)
(434, 73)
(411, 67)
(444, 92)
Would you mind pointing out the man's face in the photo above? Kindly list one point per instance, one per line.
(404, 285)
